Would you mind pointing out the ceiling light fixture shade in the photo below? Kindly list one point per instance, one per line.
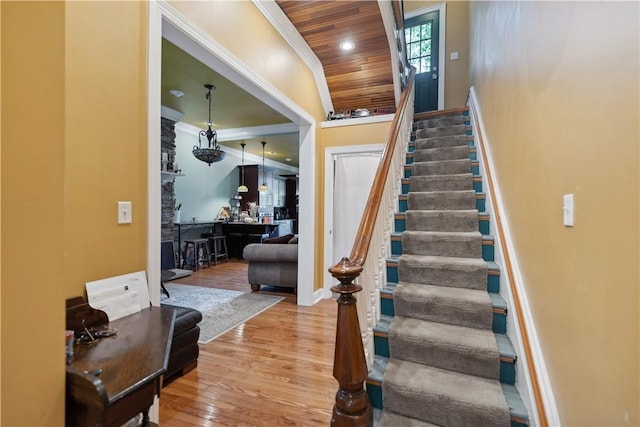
(213, 153)
(242, 188)
(263, 187)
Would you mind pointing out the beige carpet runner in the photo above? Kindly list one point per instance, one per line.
(444, 364)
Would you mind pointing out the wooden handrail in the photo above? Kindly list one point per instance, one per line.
(352, 407)
(360, 246)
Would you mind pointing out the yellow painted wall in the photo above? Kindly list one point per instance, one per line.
(32, 224)
(106, 140)
(457, 40)
(558, 87)
(73, 144)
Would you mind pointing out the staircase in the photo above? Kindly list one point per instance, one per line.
(442, 354)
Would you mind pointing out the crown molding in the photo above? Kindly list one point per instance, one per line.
(171, 114)
(282, 24)
(245, 132)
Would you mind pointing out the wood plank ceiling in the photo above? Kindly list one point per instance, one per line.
(361, 77)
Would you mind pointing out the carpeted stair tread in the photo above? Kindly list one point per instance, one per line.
(441, 141)
(441, 167)
(442, 131)
(469, 273)
(448, 182)
(376, 372)
(391, 419)
(443, 397)
(441, 122)
(442, 220)
(441, 153)
(456, 348)
(516, 405)
(455, 306)
(442, 243)
(441, 200)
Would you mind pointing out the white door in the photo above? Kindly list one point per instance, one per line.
(349, 174)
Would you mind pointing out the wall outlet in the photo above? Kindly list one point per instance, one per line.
(124, 212)
(567, 209)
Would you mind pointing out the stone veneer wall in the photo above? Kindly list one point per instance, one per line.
(168, 197)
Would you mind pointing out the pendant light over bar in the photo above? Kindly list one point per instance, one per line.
(263, 187)
(242, 188)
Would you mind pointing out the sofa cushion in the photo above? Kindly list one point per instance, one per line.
(294, 240)
(280, 239)
(282, 253)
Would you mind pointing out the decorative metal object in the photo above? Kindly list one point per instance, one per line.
(242, 188)
(263, 187)
(213, 153)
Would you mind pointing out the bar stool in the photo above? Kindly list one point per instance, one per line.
(197, 245)
(214, 242)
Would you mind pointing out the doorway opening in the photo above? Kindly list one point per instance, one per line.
(164, 22)
(425, 39)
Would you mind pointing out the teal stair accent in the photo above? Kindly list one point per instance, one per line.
(477, 184)
(409, 159)
(381, 336)
(399, 222)
(386, 300)
(488, 253)
(392, 270)
(396, 244)
(407, 171)
(374, 381)
(484, 224)
(493, 277)
(481, 200)
(475, 167)
(402, 203)
(405, 185)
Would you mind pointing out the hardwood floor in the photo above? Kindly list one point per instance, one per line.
(273, 370)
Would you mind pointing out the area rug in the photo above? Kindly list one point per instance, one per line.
(222, 310)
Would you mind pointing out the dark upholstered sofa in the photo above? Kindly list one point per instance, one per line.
(274, 262)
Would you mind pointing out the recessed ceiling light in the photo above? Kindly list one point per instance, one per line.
(288, 160)
(347, 45)
(177, 93)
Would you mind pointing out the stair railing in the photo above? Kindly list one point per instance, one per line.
(365, 270)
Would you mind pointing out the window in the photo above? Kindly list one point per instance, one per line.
(418, 39)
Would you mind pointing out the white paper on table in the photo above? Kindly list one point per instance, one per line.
(119, 296)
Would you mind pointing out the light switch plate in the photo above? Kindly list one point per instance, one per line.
(453, 55)
(567, 209)
(124, 212)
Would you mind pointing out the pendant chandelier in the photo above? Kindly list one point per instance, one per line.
(213, 153)
(242, 188)
(263, 187)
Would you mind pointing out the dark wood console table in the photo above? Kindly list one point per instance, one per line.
(132, 364)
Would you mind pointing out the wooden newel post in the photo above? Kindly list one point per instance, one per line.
(352, 406)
